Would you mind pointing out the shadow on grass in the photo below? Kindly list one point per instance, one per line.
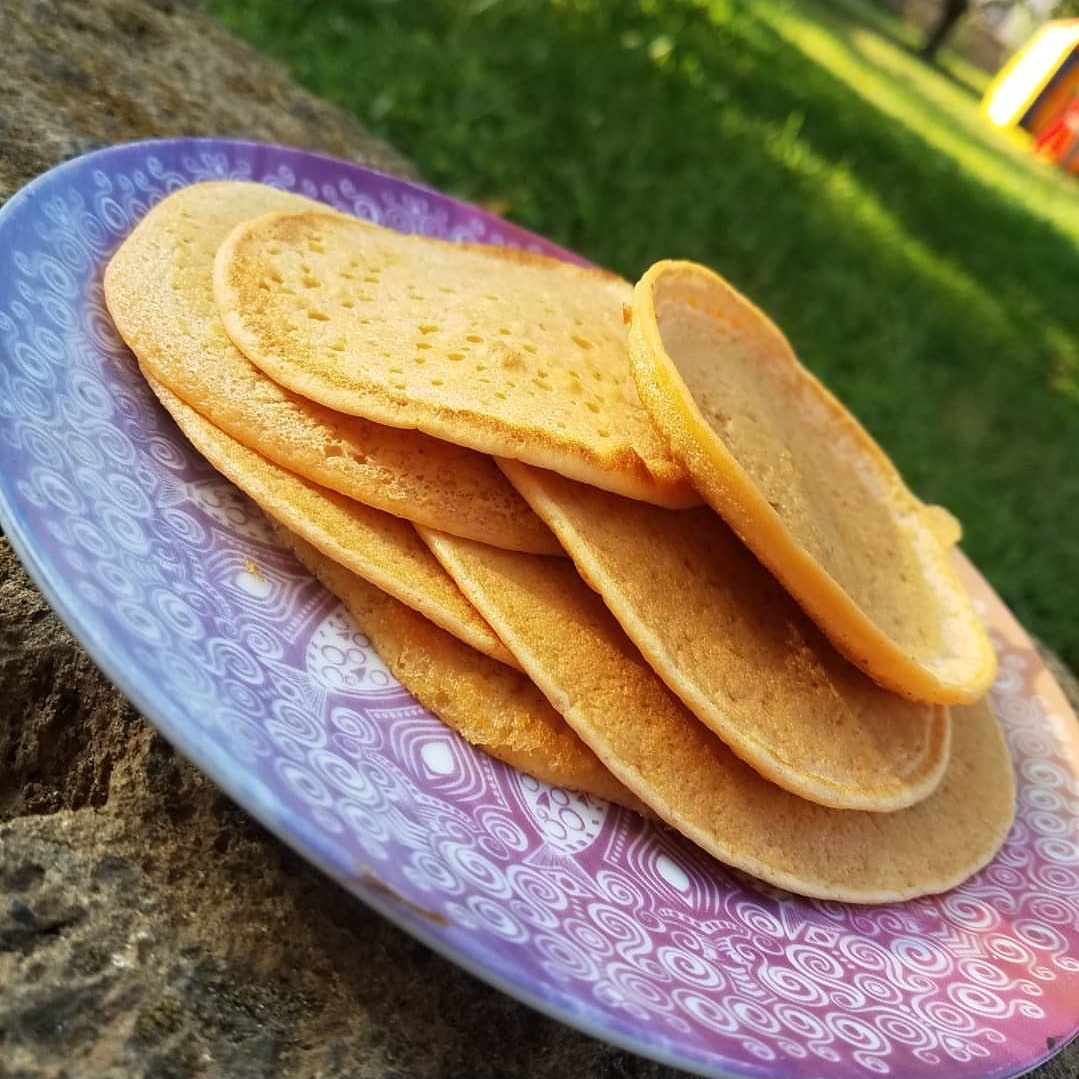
(937, 307)
(882, 21)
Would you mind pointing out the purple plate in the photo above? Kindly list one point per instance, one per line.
(176, 588)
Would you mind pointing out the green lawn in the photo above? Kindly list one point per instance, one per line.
(923, 265)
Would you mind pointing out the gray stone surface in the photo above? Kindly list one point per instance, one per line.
(148, 927)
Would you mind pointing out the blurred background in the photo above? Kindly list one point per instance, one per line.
(833, 159)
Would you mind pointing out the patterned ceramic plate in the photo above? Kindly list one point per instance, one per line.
(172, 582)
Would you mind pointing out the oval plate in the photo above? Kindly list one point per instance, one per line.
(178, 591)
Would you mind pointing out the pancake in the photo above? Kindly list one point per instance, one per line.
(740, 653)
(574, 650)
(493, 707)
(159, 292)
(381, 548)
(805, 487)
(509, 353)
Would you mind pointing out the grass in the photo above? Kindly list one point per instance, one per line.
(921, 263)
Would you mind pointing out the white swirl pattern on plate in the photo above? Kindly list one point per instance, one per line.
(252, 668)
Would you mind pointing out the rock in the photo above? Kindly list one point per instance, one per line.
(78, 76)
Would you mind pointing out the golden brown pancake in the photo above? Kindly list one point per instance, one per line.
(574, 650)
(510, 353)
(805, 487)
(490, 705)
(383, 549)
(159, 291)
(740, 653)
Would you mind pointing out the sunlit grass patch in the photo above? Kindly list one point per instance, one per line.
(930, 104)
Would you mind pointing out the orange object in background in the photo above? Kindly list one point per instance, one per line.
(1038, 85)
(1059, 142)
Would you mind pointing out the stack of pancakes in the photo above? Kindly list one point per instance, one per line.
(616, 536)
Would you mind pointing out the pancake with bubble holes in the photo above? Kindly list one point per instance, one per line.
(509, 352)
(159, 292)
(383, 549)
(573, 649)
(740, 653)
(492, 706)
(805, 486)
